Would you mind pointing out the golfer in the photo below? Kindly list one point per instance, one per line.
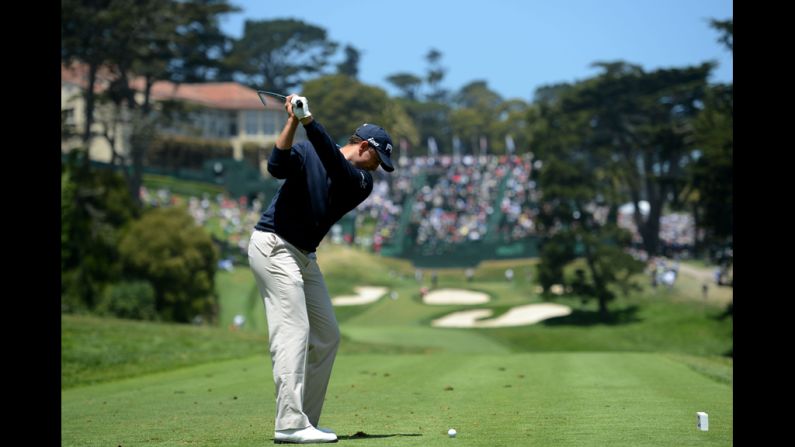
(323, 182)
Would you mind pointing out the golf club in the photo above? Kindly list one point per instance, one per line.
(262, 93)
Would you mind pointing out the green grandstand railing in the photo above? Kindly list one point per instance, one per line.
(492, 226)
(471, 253)
(399, 245)
(238, 178)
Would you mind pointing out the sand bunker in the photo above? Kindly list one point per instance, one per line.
(455, 296)
(517, 316)
(364, 295)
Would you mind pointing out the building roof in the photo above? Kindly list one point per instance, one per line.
(218, 95)
(77, 74)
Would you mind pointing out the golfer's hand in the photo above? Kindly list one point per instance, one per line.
(300, 107)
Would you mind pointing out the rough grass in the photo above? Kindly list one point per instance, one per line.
(97, 350)
(182, 187)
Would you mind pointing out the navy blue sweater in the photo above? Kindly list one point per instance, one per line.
(320, 187)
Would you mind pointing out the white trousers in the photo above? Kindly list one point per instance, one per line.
(303, 332)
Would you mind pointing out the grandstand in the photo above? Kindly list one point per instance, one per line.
(455, 211)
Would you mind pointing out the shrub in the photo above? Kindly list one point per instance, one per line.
(168, 248)
(129, 299)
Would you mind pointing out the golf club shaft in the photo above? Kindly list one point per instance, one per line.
(298, 103)
(275, 94)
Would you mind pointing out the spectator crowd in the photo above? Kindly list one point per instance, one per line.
(435, 202)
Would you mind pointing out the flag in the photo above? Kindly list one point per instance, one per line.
(456, 145)
(433, 149)
(509, 146)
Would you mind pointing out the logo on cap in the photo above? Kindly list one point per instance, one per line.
(388, 149)
(372, 141)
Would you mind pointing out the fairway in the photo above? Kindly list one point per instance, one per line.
(549, 399)
(637, 379)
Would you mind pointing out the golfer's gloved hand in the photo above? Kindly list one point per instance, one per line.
(301, 111)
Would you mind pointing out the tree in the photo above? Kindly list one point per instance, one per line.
(399, 124)
(407, 83)
(279, 55)
(477, 95)
(510, 121)
(95, 207)
(350, 66)
(86, 28)
(640, 125)
(711, 173)
(177, 257)
(551, 94)
(431, 117)
(343, 104)
(128, 299)
(470, 125)
(435, 75)
(476, 114)
(726, 28)
(570, 193)
(556, 252)
(201, 46)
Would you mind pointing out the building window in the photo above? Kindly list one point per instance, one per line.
(68, 117)
(209, 130)
(251, 122)
(271, 122)
(225, 122)
(219, 124)
(233, 124)
(68, 124)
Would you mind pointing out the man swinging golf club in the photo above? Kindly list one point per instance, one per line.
(323, 182)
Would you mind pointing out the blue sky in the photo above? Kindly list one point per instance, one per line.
(514, 45)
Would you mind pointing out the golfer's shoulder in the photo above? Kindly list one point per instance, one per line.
(364, 180)
(303, 149)
(302, 146)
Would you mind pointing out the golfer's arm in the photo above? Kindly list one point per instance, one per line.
(280, 162)
(330, 155)
(285, 139)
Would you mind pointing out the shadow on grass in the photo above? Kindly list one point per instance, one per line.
(363, 435)
(345, 313)
(728, 312)
(626, 315)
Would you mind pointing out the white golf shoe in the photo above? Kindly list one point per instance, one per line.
(308, 435)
